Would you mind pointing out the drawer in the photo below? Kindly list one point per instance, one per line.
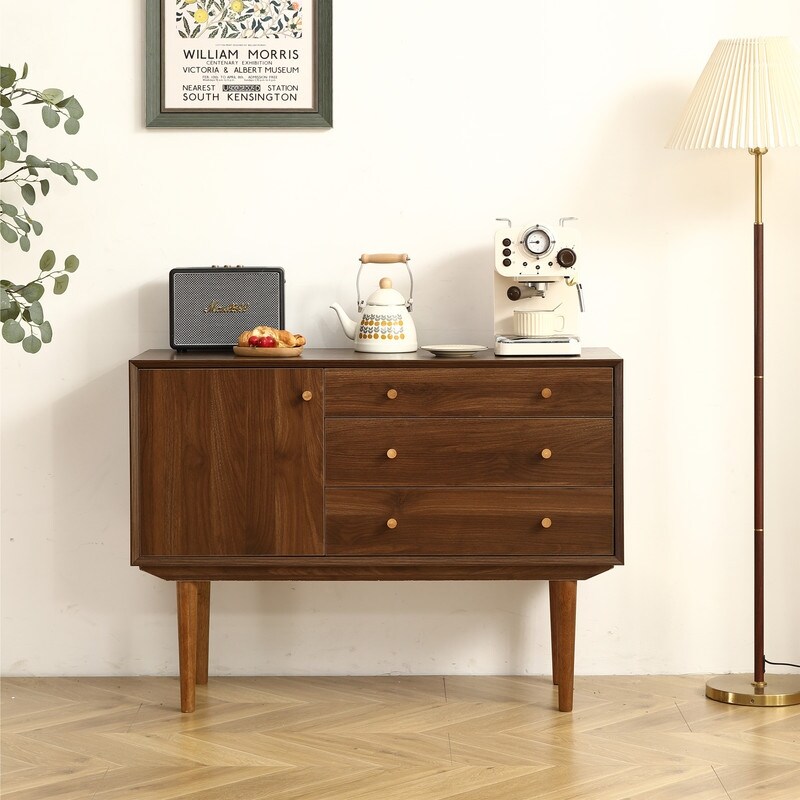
(475, 392)
(468, 452)
(468, 522)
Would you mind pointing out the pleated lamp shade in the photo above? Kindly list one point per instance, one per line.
(747, 96)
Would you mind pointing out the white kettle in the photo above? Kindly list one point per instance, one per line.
(385, 325)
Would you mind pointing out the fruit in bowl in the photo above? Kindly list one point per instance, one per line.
(264, 336)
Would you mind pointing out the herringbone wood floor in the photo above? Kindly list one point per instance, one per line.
(415, 738)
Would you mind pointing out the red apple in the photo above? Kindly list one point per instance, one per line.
(266, 341)
(253, 341)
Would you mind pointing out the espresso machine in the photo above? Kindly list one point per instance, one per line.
(537, 296)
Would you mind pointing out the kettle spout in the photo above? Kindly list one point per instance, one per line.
(348, 324)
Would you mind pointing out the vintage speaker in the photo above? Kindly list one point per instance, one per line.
(210, 306)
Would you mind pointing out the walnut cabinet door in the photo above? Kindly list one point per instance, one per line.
(229, 462)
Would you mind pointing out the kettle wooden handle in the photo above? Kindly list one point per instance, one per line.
(384, 258)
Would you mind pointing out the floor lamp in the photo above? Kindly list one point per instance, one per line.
(748, 98)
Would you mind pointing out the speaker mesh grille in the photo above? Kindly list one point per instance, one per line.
(194, 292)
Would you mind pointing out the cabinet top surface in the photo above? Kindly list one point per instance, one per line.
(321, 358)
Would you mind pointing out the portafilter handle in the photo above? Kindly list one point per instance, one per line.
(384, 258)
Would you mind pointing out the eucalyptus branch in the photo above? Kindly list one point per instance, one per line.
(8, 177)
(20, 302)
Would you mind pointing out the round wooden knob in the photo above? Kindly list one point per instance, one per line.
(391, 523)
(307, 395)
(391, 394)
(547, 522)
(391, 453)
(547, 393)
(546, 453)
(385, 283)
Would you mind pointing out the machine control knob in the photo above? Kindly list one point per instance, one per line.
(513, 293)
(566, 257)
(507, 251)
(506, 242)
(506, 262)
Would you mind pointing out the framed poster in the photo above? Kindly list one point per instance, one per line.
(239, 63)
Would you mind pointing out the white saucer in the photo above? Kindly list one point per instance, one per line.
(454, 350)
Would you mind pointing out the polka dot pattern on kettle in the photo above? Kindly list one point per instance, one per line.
(381, 326)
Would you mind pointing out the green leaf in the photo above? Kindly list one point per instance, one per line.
(11, 152)
(37, 227)
(56, 167)
(24, 71)
(71, 263)
(61, 283)
(24, 243)
(31, 344)
(44, 187)
(21, 223)
(47, 261)
(33, 161)
(73, 108)
(50, 117)
(5, 300)
(4, 101)
(13, 332)
(46, 332)
(7, 77)
(8, 233)
(90, 174)
(12, 312)
(8, 209)
(33, 291)
(53, 95)
(28, 193)
(22, 140)
(37, 315)
(69, 176)
(71, 126)
(10, 119)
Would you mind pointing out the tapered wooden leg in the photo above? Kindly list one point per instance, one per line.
(554, 629)
(187, 641)
(565, 593)
(203, 613)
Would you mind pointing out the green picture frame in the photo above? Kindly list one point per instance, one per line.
(319, 114)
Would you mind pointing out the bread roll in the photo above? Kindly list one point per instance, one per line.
(287, 339)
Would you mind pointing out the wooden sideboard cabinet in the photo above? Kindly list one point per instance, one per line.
(349, 466)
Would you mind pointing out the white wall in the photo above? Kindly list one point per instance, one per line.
(445, 118)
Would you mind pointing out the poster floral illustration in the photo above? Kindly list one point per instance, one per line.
(239, 19)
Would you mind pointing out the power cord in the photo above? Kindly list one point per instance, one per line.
(781, 663)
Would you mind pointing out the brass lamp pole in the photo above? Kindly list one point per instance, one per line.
(748, 96)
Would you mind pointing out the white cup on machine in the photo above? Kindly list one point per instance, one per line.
(537, 323)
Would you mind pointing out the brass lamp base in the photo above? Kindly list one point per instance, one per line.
(741, 690)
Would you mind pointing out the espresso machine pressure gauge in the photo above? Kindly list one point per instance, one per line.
(537, 241)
